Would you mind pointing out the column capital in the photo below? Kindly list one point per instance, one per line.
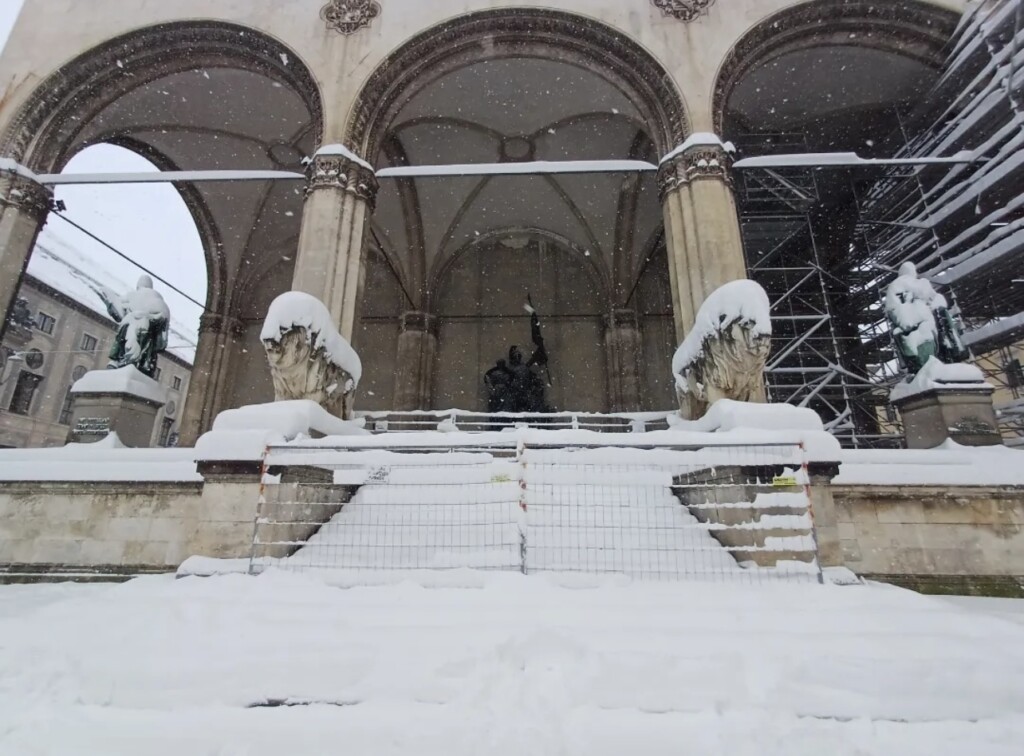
(701, 157)
(20, 190)
(414, 320)
(343, 171)
(215, 322)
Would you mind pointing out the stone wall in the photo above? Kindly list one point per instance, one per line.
(947, 534)
(120, 527)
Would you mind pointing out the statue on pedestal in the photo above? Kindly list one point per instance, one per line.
(143, 321)
(922, 324)
(516, 385)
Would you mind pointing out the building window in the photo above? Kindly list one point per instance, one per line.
(165, 431)
(89, 343)
(34, 359)
(176, 383)
(45, 323)
(24, 392)
(156, 374)
(78, 373)
(65, 408)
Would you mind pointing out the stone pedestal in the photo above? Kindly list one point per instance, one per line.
(963, 415)
(122, 401)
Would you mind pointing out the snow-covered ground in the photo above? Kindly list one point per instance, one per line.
(519, 665)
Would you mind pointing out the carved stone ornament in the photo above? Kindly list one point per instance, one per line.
(301, 370)
(684, 10)
(700, 162)
(340, 172)
(349, 16)
(24, 194)
(724, 355)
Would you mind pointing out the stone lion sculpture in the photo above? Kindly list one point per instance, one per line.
(308, 358)
(724, 355)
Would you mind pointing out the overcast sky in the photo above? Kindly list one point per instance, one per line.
(147, 222)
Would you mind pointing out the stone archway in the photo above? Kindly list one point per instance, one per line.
(914, 29)
(505, 86)
(251, 104)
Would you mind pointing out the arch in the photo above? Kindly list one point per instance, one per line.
(912, 28)
(209, 234)
(598, 272)
(44, 129)
(582, 40)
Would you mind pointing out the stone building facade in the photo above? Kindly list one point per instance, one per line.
(427, 275)
(57, 340)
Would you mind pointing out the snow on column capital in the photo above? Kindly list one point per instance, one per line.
(335, 166)
(724, 354)
(702, 155)
(308, 358)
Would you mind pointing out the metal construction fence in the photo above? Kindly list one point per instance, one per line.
(724, 512)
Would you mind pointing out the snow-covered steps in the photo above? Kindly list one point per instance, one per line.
(594, 511)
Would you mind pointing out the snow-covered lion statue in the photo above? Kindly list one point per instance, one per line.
(724, 355)
(308, 358)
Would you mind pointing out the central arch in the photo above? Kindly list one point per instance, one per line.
(505, 86)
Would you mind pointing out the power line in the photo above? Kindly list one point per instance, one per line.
(121, 254)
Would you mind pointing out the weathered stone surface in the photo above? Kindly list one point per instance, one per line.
(962, 415)
(301, 372)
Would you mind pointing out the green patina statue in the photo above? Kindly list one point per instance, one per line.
(143, 321)
(922, 324)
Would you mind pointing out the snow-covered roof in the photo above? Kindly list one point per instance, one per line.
(59, 265)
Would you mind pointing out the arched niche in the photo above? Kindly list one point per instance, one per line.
(480, 315)
(194, 95)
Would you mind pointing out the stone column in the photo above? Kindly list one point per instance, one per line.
(24, 205)
(414, 361)
(209, 375)
(340, 191)
(702, 230)
(622, 341)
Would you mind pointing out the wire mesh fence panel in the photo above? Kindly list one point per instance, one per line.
(404, 515)
(668, 515)
(727, 513)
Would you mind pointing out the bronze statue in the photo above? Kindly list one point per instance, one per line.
(922, 324)
(516, 385)
(143, 320)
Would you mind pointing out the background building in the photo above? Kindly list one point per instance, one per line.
(58, 331)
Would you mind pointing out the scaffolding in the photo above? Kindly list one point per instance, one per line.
(825, 242)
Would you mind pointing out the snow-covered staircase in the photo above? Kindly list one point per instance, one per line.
(551, 510)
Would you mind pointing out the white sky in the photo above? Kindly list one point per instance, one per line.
(147, 222)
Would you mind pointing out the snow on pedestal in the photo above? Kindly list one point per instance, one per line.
(723, 355)
(946, 402)
(308, 358)
(939, 375)
(124, 380)
(122, 401)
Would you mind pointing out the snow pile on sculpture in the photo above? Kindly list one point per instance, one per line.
(723, 356)
(922, 324)
(308, 358)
